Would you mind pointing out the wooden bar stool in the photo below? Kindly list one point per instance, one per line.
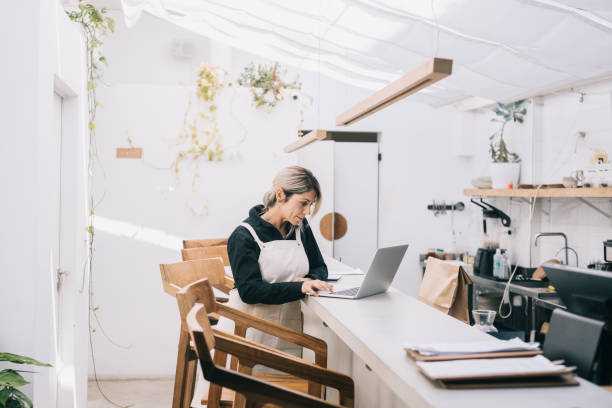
(198, 243)
(196, 302)
(190, 254)
(174, 277)
(178, 275)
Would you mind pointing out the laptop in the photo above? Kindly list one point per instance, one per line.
(379, 276)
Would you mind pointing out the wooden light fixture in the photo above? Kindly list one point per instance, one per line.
(305, 140)
(429, 73)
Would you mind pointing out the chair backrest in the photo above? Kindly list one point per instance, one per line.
(197, 243)
(178, 275)
(220, 251)
(195, 301)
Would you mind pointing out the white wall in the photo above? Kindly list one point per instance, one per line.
(42, 53)
(427, 154)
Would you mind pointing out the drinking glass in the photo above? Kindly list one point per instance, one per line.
(483, 320)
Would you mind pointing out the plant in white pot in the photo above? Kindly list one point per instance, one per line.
(506, 165)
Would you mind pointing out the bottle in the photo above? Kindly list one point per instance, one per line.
(497, 260)
(504, 270)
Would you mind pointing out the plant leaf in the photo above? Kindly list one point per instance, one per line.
(13, 402)
(23, 397)
(11, 378)
(18, 359)
(4, 394)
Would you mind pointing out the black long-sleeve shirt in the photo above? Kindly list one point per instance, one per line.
(244, 252)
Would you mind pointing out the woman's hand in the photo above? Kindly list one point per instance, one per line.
(301, 279)
(312, 287)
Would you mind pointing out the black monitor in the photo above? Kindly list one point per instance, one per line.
(586, 292)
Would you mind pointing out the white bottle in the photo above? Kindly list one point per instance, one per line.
(497, 260)
(504, 270)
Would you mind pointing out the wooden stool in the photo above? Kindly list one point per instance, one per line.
(195, 302)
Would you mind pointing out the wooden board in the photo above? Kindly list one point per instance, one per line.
(548, 192)
(339, 228)
(129, 152)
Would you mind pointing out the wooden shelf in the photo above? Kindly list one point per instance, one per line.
(605, 192)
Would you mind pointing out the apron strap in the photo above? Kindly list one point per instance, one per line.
(298, 235)
(253, 233)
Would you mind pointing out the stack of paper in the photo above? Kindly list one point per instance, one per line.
(489, 364)
(487, 346)
(487, 368)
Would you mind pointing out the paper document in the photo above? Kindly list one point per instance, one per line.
(440, 370)
(336, 267)
(487, 346)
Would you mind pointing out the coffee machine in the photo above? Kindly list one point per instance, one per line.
(483, 262)
(606, 264)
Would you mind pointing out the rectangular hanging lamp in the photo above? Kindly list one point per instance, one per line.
(305, 140)
(429, 73)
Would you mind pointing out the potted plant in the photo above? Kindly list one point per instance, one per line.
(505, 168)
(10, 396)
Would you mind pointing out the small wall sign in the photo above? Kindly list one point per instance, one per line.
(129, 152)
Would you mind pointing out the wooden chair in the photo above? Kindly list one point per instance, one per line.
(190, 254)
(198, 243)
(195, 303)
(175, 277)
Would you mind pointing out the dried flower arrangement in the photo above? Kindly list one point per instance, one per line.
(266, 84)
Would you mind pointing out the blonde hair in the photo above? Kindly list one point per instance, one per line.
(293, 180)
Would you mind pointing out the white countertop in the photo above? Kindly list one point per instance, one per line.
(376, 327)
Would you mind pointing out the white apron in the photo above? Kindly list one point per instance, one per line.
(279, 261)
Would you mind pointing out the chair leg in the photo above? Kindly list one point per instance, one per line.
(238, 331)
(214, 390)
(190, 380)
(181, 370)
(239, 399)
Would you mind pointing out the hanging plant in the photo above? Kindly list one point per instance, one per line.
(266, 84)
(95, 25)
(199, 138)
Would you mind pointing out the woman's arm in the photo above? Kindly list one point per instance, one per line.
(317, 267)
(243, 254)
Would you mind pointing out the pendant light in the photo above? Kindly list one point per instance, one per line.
(427, 74)
(306, 139)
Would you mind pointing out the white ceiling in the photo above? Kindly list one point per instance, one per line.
(503, 50)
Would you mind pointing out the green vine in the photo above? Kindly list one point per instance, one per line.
(266, 84)
(199, 138)
(10, 396)
(95, 25)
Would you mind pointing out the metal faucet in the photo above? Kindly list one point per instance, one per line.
(554, 234)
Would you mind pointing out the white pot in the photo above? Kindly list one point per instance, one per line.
(504, 174)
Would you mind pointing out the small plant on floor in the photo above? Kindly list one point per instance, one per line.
(505, 113)
(10, 396)
(266, 84)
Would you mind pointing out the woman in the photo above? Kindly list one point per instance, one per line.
(274, 256)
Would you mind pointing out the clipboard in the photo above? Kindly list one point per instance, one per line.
(447, 357)
(499, 377)
(564, 380)
(470, 376)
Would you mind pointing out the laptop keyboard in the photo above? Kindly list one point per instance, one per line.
(348, 292)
